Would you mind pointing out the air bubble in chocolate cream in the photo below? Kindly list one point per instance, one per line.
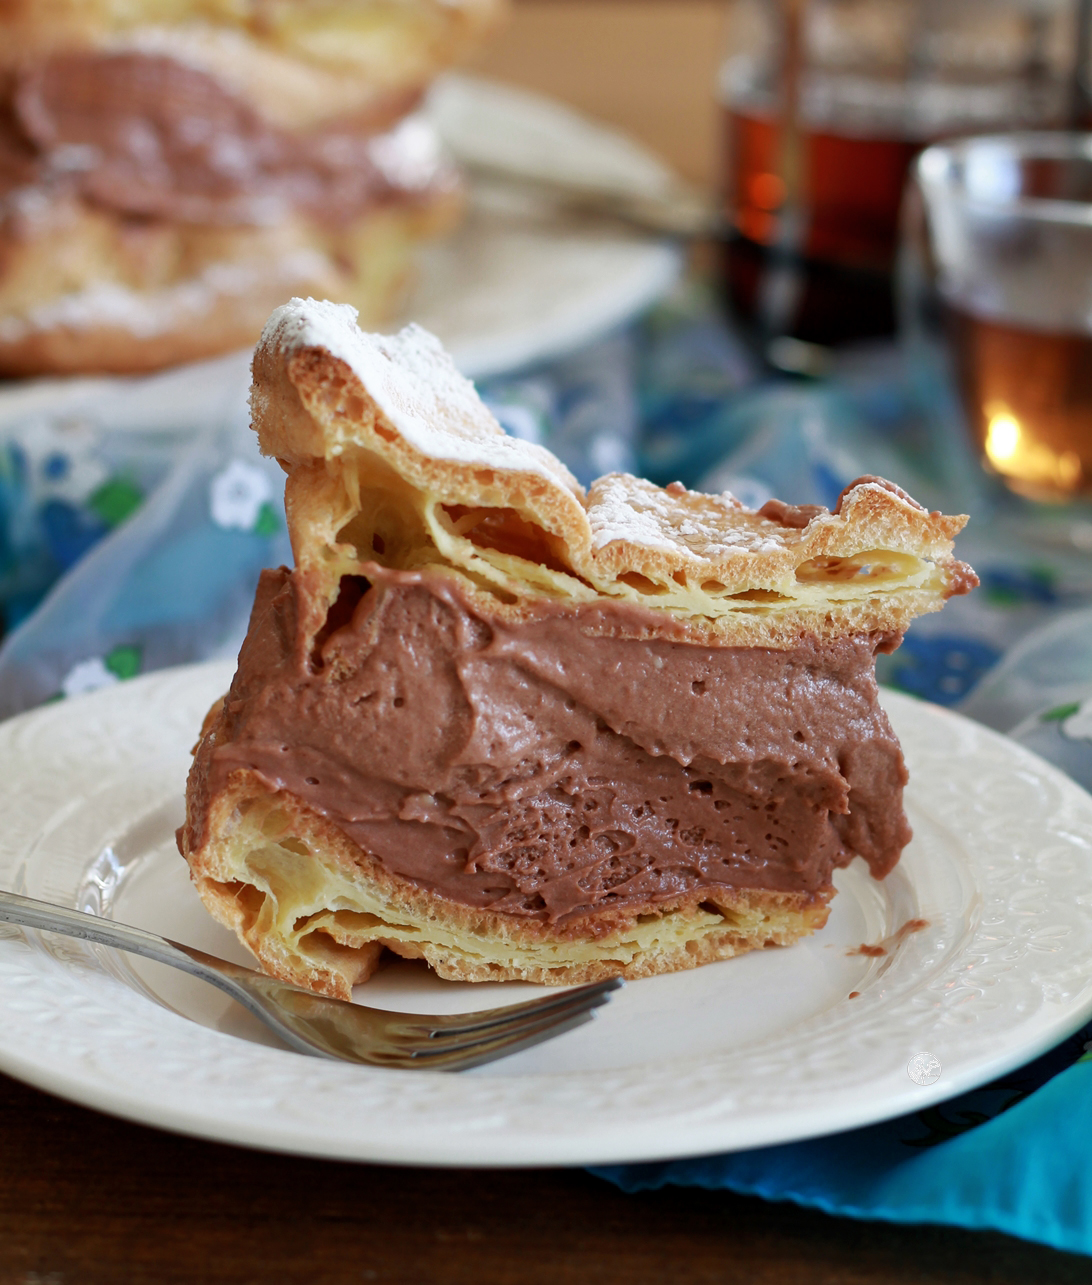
(526, 741)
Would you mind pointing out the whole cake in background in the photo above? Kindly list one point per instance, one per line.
(169, 172)
(521, 731)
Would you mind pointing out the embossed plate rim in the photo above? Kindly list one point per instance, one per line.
(999, 979)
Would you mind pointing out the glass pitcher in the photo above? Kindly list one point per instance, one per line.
(826, 104)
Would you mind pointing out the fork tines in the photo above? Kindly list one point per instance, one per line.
(468, 1039)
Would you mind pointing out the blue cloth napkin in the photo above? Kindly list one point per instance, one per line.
(1010, 1157)
(134, 521)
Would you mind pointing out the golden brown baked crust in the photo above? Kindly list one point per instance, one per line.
(317, 911)
(86, 291)
(386, 445)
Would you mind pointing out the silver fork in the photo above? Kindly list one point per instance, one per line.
(333, 1028)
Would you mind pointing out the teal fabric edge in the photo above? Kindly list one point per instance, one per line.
(1027, 1172)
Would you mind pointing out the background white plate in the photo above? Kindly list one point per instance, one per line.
(517, 283)
(763, 1049)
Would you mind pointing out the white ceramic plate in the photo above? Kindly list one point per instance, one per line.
(516, 283)
(758, 1050)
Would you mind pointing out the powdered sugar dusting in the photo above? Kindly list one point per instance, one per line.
(629, 509)
(628, 522)
(416, 386)
(156, 312)
(620, 512)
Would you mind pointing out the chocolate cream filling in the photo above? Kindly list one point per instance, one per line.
(149, 137)
(582, 762)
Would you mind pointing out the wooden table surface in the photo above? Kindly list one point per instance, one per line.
(89, 1200)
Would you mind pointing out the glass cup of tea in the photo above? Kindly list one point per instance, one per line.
(1009, 226)
(826, 105)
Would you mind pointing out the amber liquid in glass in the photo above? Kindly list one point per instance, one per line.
(846, 252)
(1027, 395)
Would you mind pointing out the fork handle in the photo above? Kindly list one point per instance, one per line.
(31, 913)
(247, 987)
